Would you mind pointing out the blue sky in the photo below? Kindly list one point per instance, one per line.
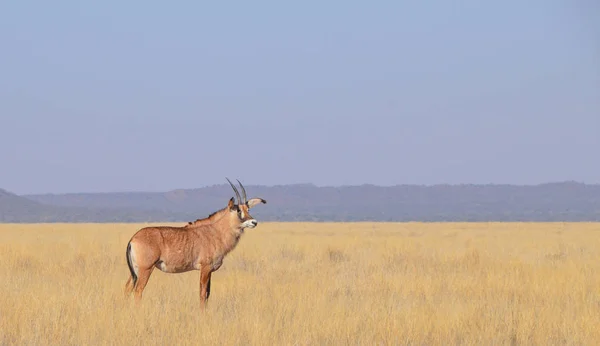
(152, 96)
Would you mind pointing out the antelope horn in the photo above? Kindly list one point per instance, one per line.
(235, 190)
(243, 192)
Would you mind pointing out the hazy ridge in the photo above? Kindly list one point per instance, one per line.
(563, 201)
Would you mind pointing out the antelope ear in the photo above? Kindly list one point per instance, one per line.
(254, 201)
(231, 204)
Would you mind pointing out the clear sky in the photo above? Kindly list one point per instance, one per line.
(154, 95)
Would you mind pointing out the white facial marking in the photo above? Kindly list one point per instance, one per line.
(249, 223)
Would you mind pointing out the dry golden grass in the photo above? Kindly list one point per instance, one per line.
(317, 284)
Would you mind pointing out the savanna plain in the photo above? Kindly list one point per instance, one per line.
(311, 284)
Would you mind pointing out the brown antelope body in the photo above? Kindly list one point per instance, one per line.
(200, 245)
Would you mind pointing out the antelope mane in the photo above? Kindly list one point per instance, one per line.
(213, 217)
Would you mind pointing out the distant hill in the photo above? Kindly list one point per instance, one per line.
(17, 209)
(564, 201)
(14, 208)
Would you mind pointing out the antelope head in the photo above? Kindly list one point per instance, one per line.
(239, 210)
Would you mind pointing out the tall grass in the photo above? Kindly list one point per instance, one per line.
(312, 284)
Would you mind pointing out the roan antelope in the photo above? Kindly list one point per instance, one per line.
(200, 245)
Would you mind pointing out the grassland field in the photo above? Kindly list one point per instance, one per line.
(312, 284)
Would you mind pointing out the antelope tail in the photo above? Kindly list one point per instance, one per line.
(130, 265)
